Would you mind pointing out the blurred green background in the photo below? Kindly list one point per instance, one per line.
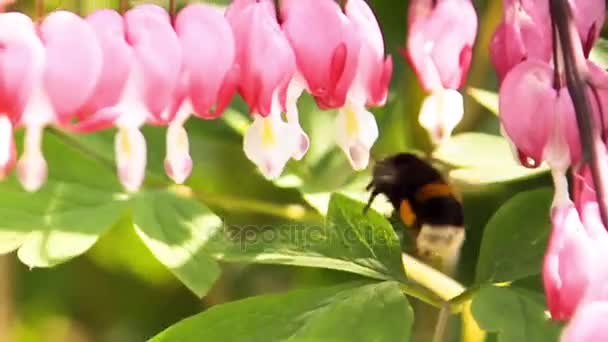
(119, 292)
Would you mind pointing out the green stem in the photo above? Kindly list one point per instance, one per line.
(445, 287)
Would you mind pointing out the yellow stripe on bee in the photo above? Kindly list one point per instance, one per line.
(406, 213)
(433, 190)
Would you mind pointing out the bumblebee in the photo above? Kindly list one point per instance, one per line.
(424, 201)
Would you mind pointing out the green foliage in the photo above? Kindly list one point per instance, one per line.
(55, 224)
(481, 159)
(515, 314)
(515, 238)
(349, 312)
(350, 240)
(486, 98)
(176, 230)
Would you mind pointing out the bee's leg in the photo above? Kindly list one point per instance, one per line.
(371, 200)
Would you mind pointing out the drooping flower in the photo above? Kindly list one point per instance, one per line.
(589, 16)
(208, 79)
(525, 32)
(574, 271)
(326, 46)
(588, 324)
(144, 87)
(341, 60)
(439, 48)
(72, 65)
(356, 126)
(530, 85)
(440, 41)
(21, 65)
(568, 266)
(267, 66)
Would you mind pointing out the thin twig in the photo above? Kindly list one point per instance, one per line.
(594, 150)
(442, 323)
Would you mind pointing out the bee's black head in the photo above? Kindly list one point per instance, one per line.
(399, 176)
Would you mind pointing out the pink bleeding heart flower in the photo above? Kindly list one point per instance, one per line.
(439, 48)
(209, 78)
(569, 262)
(21, 66)
(440, 41)
(117, 58)
(589, 16)
(574, 270)
(209, 62)
(269, 142)
(356, 128)
(527, 96)
(588, 324)
(72, 65)
(152, 94)
(525, 32)
(326, 45)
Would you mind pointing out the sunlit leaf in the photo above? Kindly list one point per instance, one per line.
(176, 230)
(57, 223)
(351, 312)
(480, 158)
(349, 240)
(486, 98)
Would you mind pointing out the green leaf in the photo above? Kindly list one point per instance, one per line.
(516, 314)
(482, 159)
(350, 241)
(176, 230)
(486, 98)
(599, 53)
(59, 222)
(515, 238)
(352, 312)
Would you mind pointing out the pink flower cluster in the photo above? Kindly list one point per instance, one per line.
(537, 115)
(84, 75)
(440, 41)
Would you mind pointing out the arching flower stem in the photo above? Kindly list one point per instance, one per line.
(593, 147)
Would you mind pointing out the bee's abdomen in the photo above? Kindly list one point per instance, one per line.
(443, 210)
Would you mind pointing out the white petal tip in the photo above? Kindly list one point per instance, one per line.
(32, 172)
(302, 146)
(179, 170)
(358, 155)
(130, 146)
(440, 114)
(178, 163)
(270, 143)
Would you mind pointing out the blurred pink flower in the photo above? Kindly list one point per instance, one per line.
(569, 261)
(525, 32)
(528, 97)
(71, 66)
(588, 324)
(439, 48)
(589, 16)
(574, 270)
(326, 45)
(21, 66)
(440, 41)
(267, 65)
